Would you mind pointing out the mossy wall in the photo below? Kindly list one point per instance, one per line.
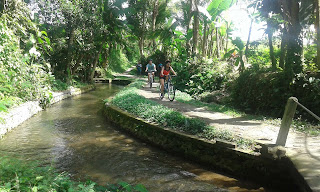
(270, 172)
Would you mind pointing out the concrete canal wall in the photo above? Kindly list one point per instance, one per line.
(19, 114)
(261, 167)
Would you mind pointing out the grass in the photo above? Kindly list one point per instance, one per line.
(186, 98)
(297, 125)
(129, 100)
(16, 175)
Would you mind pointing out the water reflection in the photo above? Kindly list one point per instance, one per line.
(76, 138)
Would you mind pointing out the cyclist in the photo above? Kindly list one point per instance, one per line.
(139, 68)
(165, 71)
(151, 67)
(159, 69)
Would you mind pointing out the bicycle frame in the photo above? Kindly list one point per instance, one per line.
(150, 78)
(168, 88)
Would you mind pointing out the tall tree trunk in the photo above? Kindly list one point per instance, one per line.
(205, 38)
(94, 65)
(2, 3)
(188, 45)
(222, 43)
(69, 53)
(250, 30)
(141, 47)
(283, 48)
(218, 42)
(211, 43)
(270, 36)
(317, 26)
(293, 62)
(227, 39)
(154, 18)
(141, 40)
(75, 67)
(248, 40)
(195, 28)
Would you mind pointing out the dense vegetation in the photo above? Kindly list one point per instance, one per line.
(58, 43)
(49, 45)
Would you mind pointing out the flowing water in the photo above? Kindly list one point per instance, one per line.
(76, 138)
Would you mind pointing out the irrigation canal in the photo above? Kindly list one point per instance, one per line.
(75, 137)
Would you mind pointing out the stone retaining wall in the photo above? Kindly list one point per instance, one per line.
(19, 114)
(270, 172)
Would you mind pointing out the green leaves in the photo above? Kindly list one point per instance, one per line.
(21, 78)
(216, 7)
(16, 175)
(229, 53)
(129, 188)
(238, 43)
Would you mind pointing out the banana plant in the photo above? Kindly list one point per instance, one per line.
(237, 53)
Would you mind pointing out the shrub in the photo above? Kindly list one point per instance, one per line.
(267, 92)
(202, 76)
(20, 76)
(118, 61)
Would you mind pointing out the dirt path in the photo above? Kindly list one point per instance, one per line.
(303, 150)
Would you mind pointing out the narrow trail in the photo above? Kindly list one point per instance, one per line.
(302, 149)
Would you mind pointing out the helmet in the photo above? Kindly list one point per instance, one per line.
(150, 59)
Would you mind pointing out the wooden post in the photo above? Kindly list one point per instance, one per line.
(286, 121)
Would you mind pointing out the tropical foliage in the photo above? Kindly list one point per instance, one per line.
(48, 45)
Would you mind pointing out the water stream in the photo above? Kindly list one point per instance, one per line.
(76, 138)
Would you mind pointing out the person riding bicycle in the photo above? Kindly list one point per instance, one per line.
(165, 71)
(151, 67)
(159, 69)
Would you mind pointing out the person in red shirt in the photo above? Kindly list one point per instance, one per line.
(165, 71)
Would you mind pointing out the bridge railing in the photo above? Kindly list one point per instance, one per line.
(287, 118)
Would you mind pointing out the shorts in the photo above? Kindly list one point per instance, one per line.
(163, 77)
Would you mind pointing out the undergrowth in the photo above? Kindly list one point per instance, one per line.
(16, 175)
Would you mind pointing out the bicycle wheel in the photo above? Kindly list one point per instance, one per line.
(171, 91)
(150, 81)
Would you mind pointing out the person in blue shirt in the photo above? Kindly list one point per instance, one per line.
(151, 67)
(139, 68)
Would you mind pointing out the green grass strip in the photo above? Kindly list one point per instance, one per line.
(129, 100)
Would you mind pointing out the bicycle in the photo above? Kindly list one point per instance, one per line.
(150, 78)
(168, 88)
